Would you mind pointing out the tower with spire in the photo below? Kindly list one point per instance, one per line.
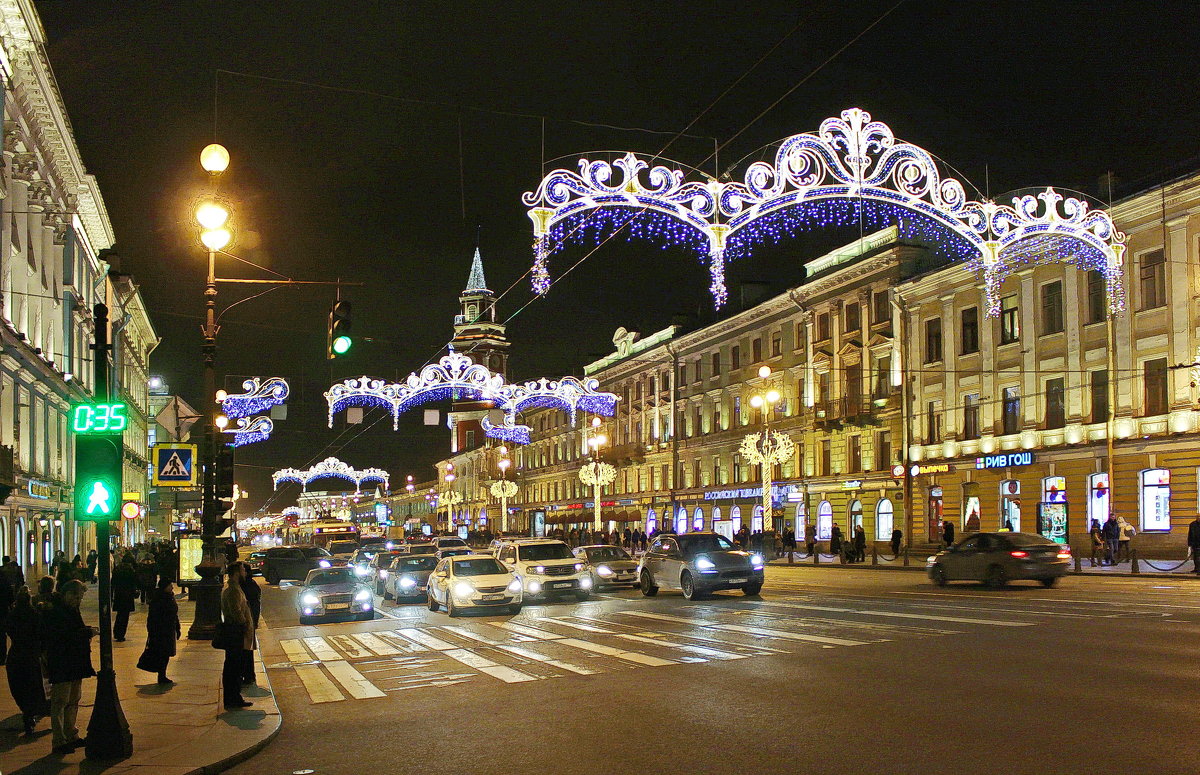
(478, 336)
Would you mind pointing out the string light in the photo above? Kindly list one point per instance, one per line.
(330, 467)
(259, 396)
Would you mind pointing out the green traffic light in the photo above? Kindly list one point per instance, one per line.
(341, 345)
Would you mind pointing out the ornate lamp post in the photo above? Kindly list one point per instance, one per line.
(769, 448)
(595, 474)
(503, 488)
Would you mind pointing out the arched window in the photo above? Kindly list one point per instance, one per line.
(716, 514)
(824, 521)
(735, 516)
(884, 516)
(681, 520)
(756, 521)
(651, 521)
(482, 517)
(19, 542)
(698, 519)
(854, 514)
(801, 518)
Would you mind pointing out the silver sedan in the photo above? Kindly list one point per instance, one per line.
(609, 565)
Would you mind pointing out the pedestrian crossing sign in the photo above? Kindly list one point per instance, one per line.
(174, 465)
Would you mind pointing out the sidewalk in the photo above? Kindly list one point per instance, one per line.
(178, 729)
(1154, 568)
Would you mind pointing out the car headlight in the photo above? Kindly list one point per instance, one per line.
(757, 561)
(390, 546)
(362, 594)
(536, 570)
(360, 570)
(585, 582)
(703, 563)
(408, 582)
(578, 566)
(383, 574)
(604, 570)
(463, 589)
(310, 599)
(324, 563)
(514, 586)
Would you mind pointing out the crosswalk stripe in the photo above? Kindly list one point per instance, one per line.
(531, 654)
(702, 650)
(320, 649)
(463, 632)
(609, 651)
(788, 635)
(352, 680)
(295, 651)
(668, 618)
(484, 665)
(425, 639)
(376, 644)
(396, 639)
(897, 615)
(319, 687)
(532, 632)
(348, 645)
(577, 625)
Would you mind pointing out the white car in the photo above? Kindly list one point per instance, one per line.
(547, 567)
(473, 581)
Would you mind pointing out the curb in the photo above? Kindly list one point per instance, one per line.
(251, 750)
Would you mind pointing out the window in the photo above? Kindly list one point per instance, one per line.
(853, 318)
(756, 350)
(933, 340)
(735, 357)
(853, 389)
(884, 514)
(1010, 325)
(1097, 505)
(716, 419)
(1012, 410)
(1100, 395)
(799, 343)
(854, 453)
(737, 411)
(823, 327)
(826, 457)
(1097, 297)
(883, 377)
(881, 311)
(776, 344)
(697, 376)
(1055, 403)
(824, 521)
(716, 364)
(822, 387)
(1152, 279)
(933, 422)
(1154, 381)
(854, 514)
(470, 440)
(883, 449)
(1052, 308)
(1154, 499)
(683, 374)
(970, 330)
(737, 468)
(970, 416)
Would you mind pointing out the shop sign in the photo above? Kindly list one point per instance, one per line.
(897, 472)
(571, 506)
(932, 468)
(1004, 460)
(853, 484)
(40, 490)
(795, 496)
(777, 491)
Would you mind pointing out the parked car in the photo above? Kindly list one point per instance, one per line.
(998, 558)
(408, 576)
(329, 592)
(294, 562)
(697, 564)
(546, 567)
(473, 581)
(255, 561)
(608, 565)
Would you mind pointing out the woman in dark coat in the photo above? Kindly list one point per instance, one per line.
(162, 630)
(24, 665)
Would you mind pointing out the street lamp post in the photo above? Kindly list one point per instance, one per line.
(503, 488)
(769, 448)
(596, 474)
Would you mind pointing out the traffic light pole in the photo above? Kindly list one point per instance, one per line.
(108, 733)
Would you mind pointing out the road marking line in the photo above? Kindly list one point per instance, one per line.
(295, 651)
(897, 615)
(484, 665)
(404, 644)
(320, 649)
(352, 649)
(726, 644)
(523, 630)
(609, 651)
(463, 632)
(352, 680)
(425, 639)
(702, 650)
(376, 644)
(1058, 600)
(770, 633)
(531, 654)
(577, 626)
(667, 618)
(319, 687)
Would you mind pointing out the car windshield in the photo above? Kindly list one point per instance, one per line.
(478, 566)
(545, 552)
(607, 553)
(342, 547)
(315, 551)
(330, 577)
(414, 564)
(1025, 539)
(383, 559)
(451, 542)
(422, 549)
(705, 543)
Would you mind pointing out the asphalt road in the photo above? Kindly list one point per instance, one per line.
(828, 670)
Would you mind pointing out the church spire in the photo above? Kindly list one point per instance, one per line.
(476, 282)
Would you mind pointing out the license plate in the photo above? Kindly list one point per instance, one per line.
(560, 585)
(492, 597)
(738, 581)
(337, 606)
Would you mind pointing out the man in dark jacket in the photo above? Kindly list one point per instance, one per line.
(6, 602)
(68, 662)
(897, 537)
(948, 533)
(124, 596)
(1194, 543)
(253, 599)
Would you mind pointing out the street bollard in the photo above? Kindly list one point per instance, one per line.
(874, 554)
(906, 556)
(816, 555)
(1078, 566)
(791, 557)
(1133, 563)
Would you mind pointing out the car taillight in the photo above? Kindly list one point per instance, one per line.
(1064, 553)
(1018, 554)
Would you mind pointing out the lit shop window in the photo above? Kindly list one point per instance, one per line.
(698, 519)
(756, 521)
(735, 516)
(824, 521)
(884, 514)
(681, 520)
(972, 508)
(1010, 505)
(855, 513)
(1097, 504)
(1154, 499)
(651, 521)
(936, 512)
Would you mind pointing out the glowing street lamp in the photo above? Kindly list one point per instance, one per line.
(769, 448)
(595, 474)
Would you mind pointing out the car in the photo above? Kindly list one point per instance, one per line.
(408, 576)
(362, 557)
(255, 561)
(473, 581)
(329, 592)
(343, 549)
(421, 549)
(454, 551)
(376, 572)
(449, 542)
(697, 564)
(998, 558)
(608, 565)
(546, 567)
(294, 562)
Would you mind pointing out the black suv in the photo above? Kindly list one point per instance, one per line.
(294, 562)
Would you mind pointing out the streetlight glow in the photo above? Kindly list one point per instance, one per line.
(214, 158)
(764, 371)
(756, 401)
(211, 215)
(215, 239)
(773, 397)
(221, 421)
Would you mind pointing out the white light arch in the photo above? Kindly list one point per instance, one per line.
(331, 467)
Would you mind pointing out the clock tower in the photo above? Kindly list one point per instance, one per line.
(478, 336)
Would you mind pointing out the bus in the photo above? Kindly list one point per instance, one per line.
(335, 536)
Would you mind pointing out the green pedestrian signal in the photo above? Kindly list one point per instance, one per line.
(98, 467)
(100, 499)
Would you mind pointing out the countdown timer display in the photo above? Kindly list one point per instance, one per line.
(99, 419)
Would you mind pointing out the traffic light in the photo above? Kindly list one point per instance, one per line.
(98, 461)
(339, 329)
(223, 491)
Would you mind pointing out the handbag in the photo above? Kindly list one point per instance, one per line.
(229, 635)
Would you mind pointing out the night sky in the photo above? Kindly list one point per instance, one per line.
(366, 181)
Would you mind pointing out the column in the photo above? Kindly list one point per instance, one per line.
(1179, 303)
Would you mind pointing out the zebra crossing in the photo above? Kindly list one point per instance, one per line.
(590, 641)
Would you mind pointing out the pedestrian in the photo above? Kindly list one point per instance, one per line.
(124, 596)
(1097, 536)
(1112, 537)
(897, 537)
(1127, 533)
(78, 571)
(162, 630)
(835, 542)
(948, 533)
(62, 573)
(92, 560)
(147, 578)
(68, 661)
(12, 572)
(45, 593)
(860, 544)
(253, 595)
(1194, 543)
(6, 603)
(628, 539)
(810, 539)
(235, 638)
(26, 681)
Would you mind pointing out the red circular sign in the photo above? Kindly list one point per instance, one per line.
(131, 510)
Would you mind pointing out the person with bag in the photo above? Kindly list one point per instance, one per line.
(67, 641)
(1127, 532)
(253, 595)
(162, 630)
(235, 636)
(26, 681)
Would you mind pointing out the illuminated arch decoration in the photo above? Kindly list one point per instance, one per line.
(248, 430)
(330, 467)
(456, 376)
(292, 511)
(260, 396)
(852, 171)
